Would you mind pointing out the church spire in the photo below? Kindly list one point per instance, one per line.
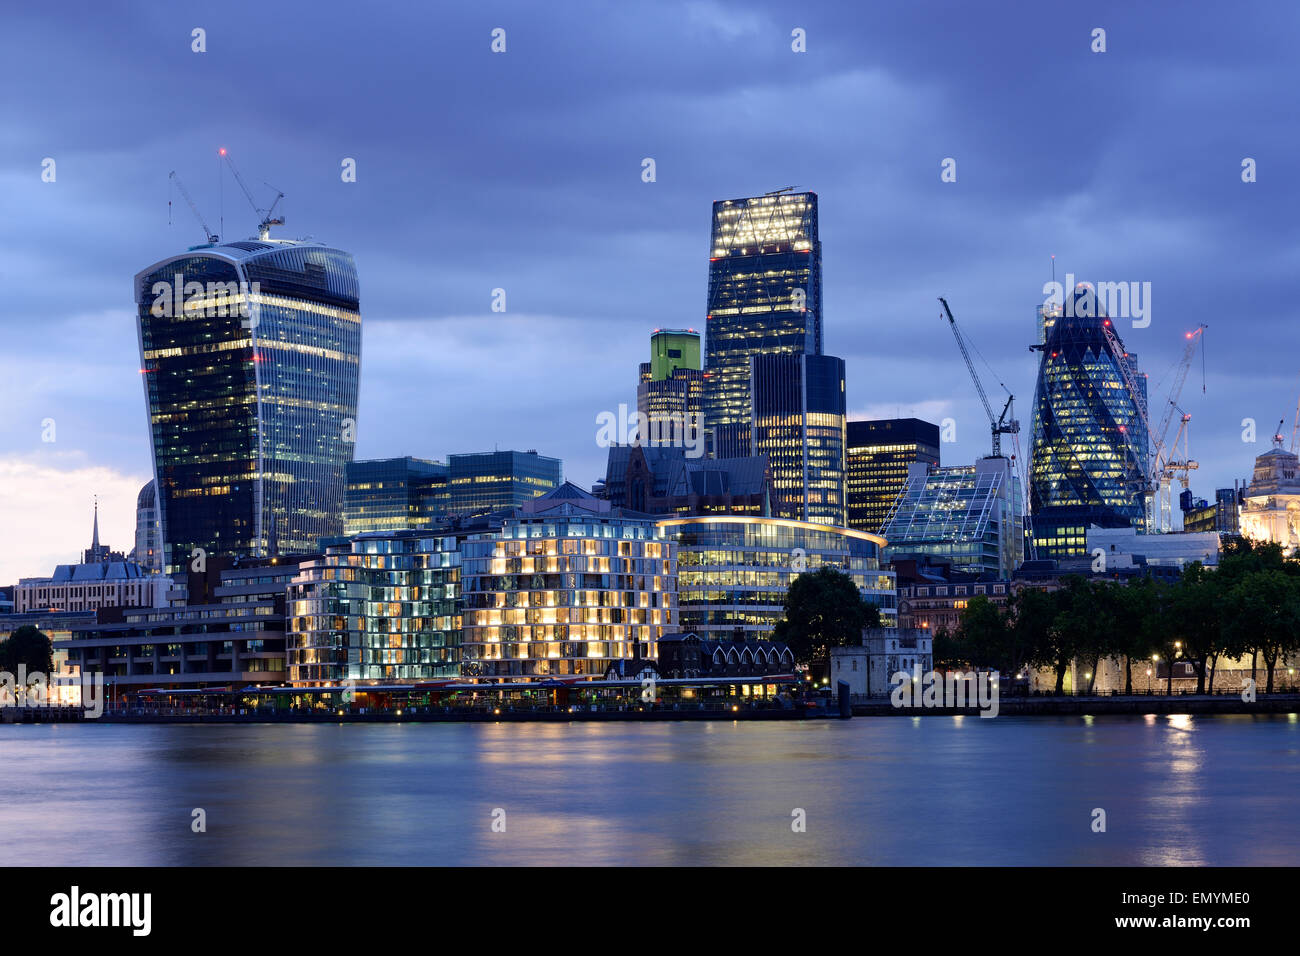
(94, 540)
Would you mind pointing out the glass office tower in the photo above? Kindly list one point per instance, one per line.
(499, 480)
(798, 408)
(765, 297)
(876, 460)
(967, 515)
(1090, 448)
(250, 353)
(386, 494)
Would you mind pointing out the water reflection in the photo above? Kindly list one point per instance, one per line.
(1176, 790)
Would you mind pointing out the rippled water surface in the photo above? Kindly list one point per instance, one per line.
(884, 790)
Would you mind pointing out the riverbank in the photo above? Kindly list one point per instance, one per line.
(1202, 704)
(1205, 705)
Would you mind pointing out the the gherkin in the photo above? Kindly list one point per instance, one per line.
(1090, 450)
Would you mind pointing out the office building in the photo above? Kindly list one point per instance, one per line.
(567, 586)
(764, 298)
(385, 607)
(388, 494)
(970, 516)
(249, 355)
(1089, 457)
(933, 594)
(499, 480)
(798, 405)
(670, 394)
(225, 628)
(733, 572)
(876, 460)
(1111, 550)
(148, 552)
(1221, 515)
(104, 578)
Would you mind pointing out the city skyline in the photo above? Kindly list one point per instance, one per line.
(69, 326)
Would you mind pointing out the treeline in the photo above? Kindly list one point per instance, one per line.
(1248, 607)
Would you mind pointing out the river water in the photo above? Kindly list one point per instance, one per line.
(880, 790)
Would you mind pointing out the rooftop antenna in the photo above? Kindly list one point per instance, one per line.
(777, 192)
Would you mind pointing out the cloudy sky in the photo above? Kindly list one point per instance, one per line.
(522, 170)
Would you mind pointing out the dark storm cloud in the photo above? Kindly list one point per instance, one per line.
(522, 171)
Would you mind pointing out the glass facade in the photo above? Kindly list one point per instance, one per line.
(386, 607)
(148, 542)
(250, 354)
(566, 593)
(764, 298)
(734, 572)
(499, 480)
(876, 463)
(1090, 450)
(799, 424)
(388, 494)
(969, 515)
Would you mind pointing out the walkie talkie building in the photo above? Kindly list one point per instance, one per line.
(1090, 448)
(250, 354)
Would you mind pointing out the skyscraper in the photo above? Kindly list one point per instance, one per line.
(876, 464)
(798, 408)
(250, 354)
(765, 284)
(1090, 451)
(670, 394)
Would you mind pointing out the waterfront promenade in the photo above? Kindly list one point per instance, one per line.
(801, 709)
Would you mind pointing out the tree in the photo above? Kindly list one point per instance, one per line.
(1195, 608)
(948, 651)
(28, 647)
(1135, 623)
(1266, 614)
(1085, 626)
(1034, 620)
(988, 638)
(823, 609)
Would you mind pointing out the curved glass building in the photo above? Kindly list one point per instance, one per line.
(386, 606)
(733, 572)
(250, 354)
(1090, 449)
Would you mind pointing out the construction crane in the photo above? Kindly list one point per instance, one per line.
(1001, 425)
(1176, 390)
(268, 217)
(1159, 469)
(212, 236)
(1180, 468)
